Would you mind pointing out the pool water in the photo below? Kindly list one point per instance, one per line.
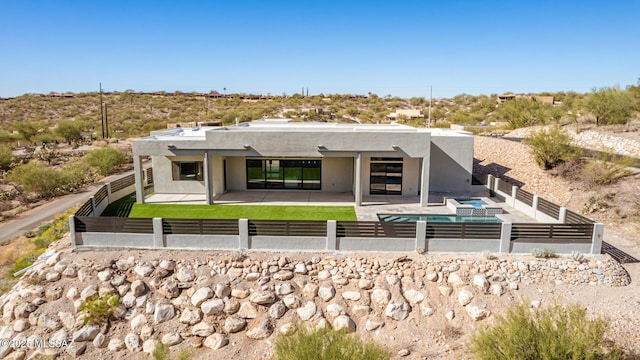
(476, 203)
(447, 218)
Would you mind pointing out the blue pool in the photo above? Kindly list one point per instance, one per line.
(476, 203)
(448, 218)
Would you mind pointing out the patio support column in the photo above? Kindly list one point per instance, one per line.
(207, 178)
(138, 175)
(358, 189)
(424, 182)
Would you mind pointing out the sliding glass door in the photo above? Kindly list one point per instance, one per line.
(283, 174)
(385, 176)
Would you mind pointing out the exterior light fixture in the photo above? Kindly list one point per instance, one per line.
(321, 147)
(247, 146)
(171, 147)
(395, 147)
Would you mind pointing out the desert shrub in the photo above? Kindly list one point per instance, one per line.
(557, 332)
(77, 173)
(105, 159)
(6, 156)
(550, 147)
(34, 177)
(545, 253)
(325, 344)
(100, 310)
(606, 168)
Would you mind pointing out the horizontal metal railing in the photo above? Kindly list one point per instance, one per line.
(113, 225)
(552, 233)
(375, 229)
(200, 226)
(575, 218)
(548, 208)
(463, 231)
(525, 197)
(287, 228)
(123, 182)
(100, 194)
(85, 209)
(505, 187)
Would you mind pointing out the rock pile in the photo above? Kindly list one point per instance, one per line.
(205, 303)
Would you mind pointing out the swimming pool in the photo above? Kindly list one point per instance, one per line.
(446, 218)
(476, 203)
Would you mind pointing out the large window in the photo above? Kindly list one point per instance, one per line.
(188, 170)
(283, 174)
(386, 176)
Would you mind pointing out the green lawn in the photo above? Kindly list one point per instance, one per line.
(253, 212)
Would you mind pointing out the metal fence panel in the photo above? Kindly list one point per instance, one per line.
(100, 195)
(463, 231)
(200, 226)
(85, 209)
(375, 229)
(548, 208)
(287, 228)
(114, 225)
(574, 218)
(123, 182)
(558, 233)
(525, 197)
(505, 187)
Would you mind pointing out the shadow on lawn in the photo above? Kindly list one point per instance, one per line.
(120, 208)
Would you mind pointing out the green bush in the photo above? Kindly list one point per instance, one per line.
(550, 147)
(36, 178)
(305, 344)
(100, 310)
(105, 159)
(6, 156)
(557, 332)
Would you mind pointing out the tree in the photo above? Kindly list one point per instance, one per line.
(610, 105)
(70, 130)
(106, 159)
(26, 130)
(520, 112)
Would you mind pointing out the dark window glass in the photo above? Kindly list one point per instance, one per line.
(284, 174)
(385, 178)
(188, 170)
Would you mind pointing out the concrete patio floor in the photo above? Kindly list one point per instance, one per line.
(371, 207)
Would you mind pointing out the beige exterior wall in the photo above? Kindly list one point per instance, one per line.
(451, 164)
(337, 174)
(217, 175)
(163, 178)
(236, 173)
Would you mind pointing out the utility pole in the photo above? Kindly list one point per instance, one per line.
(430, 100)
(101, 112)
(106, 121)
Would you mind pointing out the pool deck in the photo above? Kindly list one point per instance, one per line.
(371, 207)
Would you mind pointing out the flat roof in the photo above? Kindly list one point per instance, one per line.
(264, 125)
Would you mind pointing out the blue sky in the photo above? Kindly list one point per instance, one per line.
(385, 47)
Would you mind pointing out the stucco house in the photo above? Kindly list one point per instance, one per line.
(282, 155)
